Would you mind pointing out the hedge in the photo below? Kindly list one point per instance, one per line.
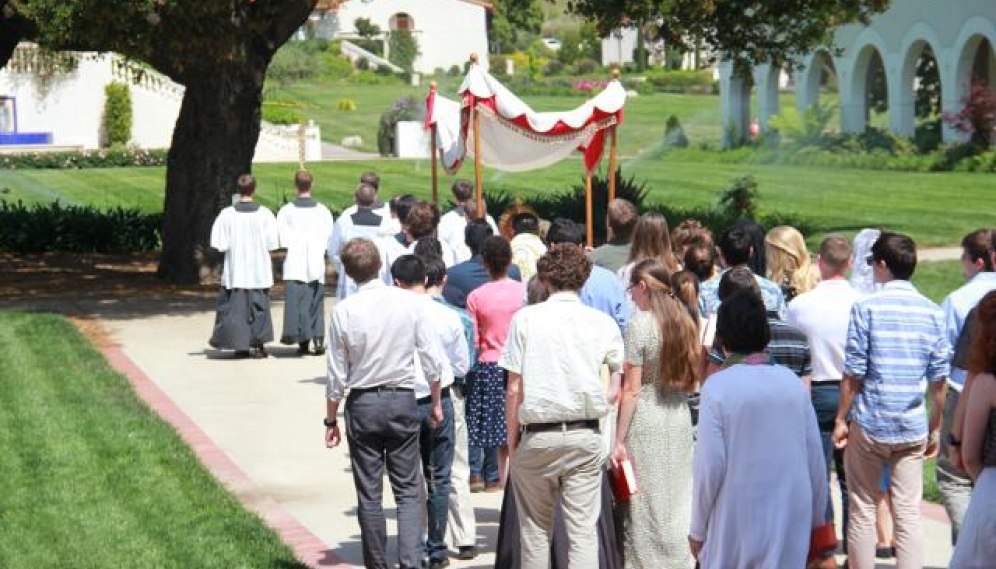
(111, 158)
(117, 120)
(42, 228)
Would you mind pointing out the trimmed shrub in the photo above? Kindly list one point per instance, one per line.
(116, 121)
(277, 114)
(346, 104)
(112, 158)
(403, 49)
(42, 228)
(698, 82)
(674, 133)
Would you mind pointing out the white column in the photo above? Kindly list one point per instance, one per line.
(766, 80)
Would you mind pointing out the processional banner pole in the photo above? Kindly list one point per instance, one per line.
(434, 152)
(478, 185)
(588, 215)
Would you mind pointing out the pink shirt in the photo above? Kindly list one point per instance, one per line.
(492, 306)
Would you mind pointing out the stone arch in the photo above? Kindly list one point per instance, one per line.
(976, 40)
(767, 79)
(736, 85)
(811, 76)
(854, 92)
(919, 40)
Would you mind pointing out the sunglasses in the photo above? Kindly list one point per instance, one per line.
(870, 260)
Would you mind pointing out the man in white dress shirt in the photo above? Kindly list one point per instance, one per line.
(245, 232)
(305, 227)
(822, 314)
(364, 220)
(453, 222)
(554, 356)
(435, 440)
(373, 339)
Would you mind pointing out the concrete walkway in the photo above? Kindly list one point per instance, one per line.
(257, 426)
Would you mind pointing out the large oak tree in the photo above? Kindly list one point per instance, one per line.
(219, 50)
(747, 31)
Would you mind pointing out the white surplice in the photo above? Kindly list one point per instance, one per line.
(246, 233)
(759, 475)
(305, 228)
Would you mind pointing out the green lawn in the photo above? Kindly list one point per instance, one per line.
(935, 208)
(92, 479)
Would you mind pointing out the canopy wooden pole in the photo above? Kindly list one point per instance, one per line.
(478, 185)
(435, 166)
(588, 216)
(612, 150)
(433, 153)
(612, 162)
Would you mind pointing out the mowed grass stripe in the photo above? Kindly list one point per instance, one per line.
(93, 479)
(935, 208)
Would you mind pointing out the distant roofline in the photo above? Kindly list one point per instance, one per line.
(334, 4)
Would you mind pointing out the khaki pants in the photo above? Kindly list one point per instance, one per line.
(462, 528)
(564, 464)
(863, 462)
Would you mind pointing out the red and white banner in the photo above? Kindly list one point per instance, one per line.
(514, 137)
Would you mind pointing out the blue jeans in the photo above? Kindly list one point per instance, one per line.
(826, 401)
(437, 459)
(484, 463)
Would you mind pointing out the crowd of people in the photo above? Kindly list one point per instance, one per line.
(726, 373)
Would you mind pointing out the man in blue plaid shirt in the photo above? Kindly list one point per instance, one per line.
(896, 346)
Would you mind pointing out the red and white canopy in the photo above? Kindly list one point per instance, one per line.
(514, 137)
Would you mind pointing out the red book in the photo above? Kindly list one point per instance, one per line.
(822, 541)
(623, 480)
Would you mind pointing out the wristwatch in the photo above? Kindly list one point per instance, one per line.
(952, 441)
(330, 423)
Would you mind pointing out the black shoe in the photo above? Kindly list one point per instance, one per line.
(466, 552)
(259, 353)
(885, 552)
(302, 349)
(319, 348)
(439, 563)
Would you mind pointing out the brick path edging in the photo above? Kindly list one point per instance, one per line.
(309, 549)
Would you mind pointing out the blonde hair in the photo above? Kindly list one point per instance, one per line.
(681, 350)
(789, 262)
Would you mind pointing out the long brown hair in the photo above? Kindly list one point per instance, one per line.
(652, 240)
(681, 350)
(982, 353)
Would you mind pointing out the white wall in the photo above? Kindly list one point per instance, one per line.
(447, 31)
(619, 50)
(72, 108)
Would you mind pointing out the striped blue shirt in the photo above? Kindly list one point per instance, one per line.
(895, 344)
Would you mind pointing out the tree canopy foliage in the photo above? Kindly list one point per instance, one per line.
(749, 31)
(219, 50)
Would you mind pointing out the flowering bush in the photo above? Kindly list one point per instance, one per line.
(109, 158)
(589, 85)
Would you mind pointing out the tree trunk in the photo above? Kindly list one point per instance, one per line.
(213, 143)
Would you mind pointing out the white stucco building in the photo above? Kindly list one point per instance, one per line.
(447, 31)
(960, 33)
(65, 111)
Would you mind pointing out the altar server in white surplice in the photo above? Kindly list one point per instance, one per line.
(365, 220)
(245, 232)
(305, 228)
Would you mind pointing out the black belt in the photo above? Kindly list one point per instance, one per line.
(565, 426)
(443, 394)
(381, 389)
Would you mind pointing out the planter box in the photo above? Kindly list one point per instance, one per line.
(411, 140)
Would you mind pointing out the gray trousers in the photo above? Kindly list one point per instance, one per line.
(565, 465)
(954, 483)
(382, 429)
